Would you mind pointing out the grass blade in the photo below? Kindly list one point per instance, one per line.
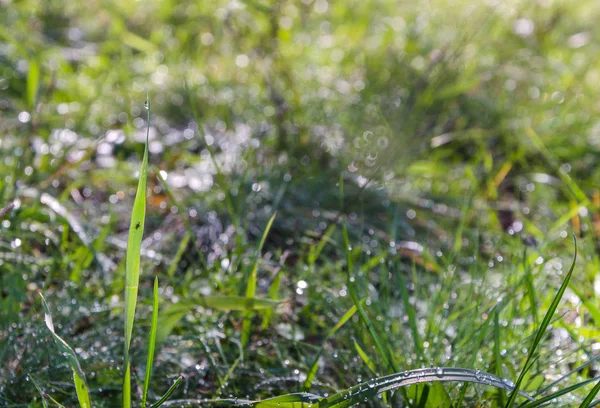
(542, 329)
(590, 397)
(530, 287)
(81, 387)
(169, 318)
(410, 310)
(39, 390)
(315, 365)
(180, 251)
(364, 357)
(361, 311)
(132, 265)
(567, 390)
(498, 353)
(273, 291)
(186, 222)
(251, 287)
(167, 394)
(316, 250)
(33, 83)
(151, 344)
(296, 400)
(368, 390)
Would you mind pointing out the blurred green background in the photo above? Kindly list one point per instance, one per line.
(467, 135)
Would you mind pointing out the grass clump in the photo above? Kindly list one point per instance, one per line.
(461, 138)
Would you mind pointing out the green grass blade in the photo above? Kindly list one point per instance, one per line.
(81, 387)
(312, 372)
(167, 394)
(361, 311)
(251, 286)
(273, 291)
(230, 372)
(370, 389)
(410, 311)
(590, 397)
(364, 357)
(542, 329)
(316, 250)
(39, 390)
(186, 222)
(297, 400)
(33, 83)
(564, 391)
(211, 362)
(132, 265)
(180, 251)
(482, 333)
(530, 287)
(590, 305)
(151, 343)
(169, 318)
(497, 352)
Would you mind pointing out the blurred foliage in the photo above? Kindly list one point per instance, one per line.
(464, 130)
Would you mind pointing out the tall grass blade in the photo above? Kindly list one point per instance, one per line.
(590, 397)
(81, 387)
(251, 286)
(132, 265)
(542, 329)
(151, 344)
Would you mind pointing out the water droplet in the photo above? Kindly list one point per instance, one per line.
(439, 371)
(146, 104)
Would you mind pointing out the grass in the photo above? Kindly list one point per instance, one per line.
(461, 145)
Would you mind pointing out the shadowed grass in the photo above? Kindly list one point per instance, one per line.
(251, 285)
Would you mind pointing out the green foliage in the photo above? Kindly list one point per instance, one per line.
(81, 388)
(132, 266)
(462, 133)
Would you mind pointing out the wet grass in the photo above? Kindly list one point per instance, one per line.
(426, 180)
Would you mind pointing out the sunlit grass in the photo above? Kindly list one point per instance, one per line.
(132, 268)
(464, 134)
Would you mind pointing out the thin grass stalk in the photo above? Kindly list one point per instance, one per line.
(251, 286)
